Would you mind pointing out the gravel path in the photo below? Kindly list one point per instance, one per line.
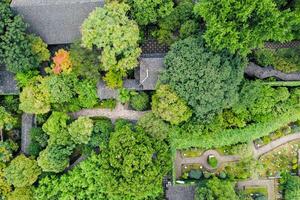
(119, 112)
(274, 144)
(268, 183)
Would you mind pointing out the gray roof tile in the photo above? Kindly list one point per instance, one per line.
(56, 21)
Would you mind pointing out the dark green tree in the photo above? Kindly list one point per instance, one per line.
(207, 81)
(216, 189)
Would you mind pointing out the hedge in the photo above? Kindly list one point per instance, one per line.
(232, 136)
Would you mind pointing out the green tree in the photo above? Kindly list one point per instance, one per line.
(154, 126)
(182, 20)
(7, 121)
(241, 27)
(35, 98)
(110, 30)
(140, 101)
(81, 130)
(55, 158)
(16, 49)
(22, 171)
(167, 105)
(56, 128)
(207, 90)
(6, 151)
(85, 62)
(150, 11)
(23, 193)
(136, 159)
(216, 189)
(291, 187)
(86, 91)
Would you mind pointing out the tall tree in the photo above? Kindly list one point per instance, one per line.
(110, 30)
(242, 26)
(22, 171)
(206, 80)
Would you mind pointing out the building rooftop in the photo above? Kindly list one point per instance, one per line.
(56, 21)
(150, 67)
(180, 192)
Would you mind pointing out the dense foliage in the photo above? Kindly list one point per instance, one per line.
(110, 30)
(291, 187)
(286, 60)
(131, 156)
(241, 27)
(150, 11)
(140, 101)
(260, 111)
(180, 24)
(216, 189)
(63, 92)
(22, 171)
(18, 51)
(207, 81)
(167, 105)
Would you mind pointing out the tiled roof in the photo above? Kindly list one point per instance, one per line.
(8, 84)
(56, 21)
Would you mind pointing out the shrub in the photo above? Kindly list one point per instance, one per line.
(23, 193)
(207, 90)
(22, 171)
(150, 11)
(195, 174)
(81, 130)
(110, 30)
(55, 158)
(167, 105)
(242, 27)
(216, 189)
(85, 62)
(139, 101)
(38, 141)
(212, 161)
(181, 18)
(39, 48)
(154, 126)
(291, 187)
(34, 98)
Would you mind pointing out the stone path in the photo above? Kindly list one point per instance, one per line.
(27, 124)
(274, 144)
(254, 70)
(202, 160)
(80, 159)
(119, 112)
(268, 183)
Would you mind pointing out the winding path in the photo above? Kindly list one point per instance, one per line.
(119, 112)
(257, 152)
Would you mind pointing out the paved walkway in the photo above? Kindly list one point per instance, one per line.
(202, 160)
(274, 144)
(268, 183)
(119, 112)
(27, 124)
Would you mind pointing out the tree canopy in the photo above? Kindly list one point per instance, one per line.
(110, 30)
(207, 81)
(22, 171)
(241, 27)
